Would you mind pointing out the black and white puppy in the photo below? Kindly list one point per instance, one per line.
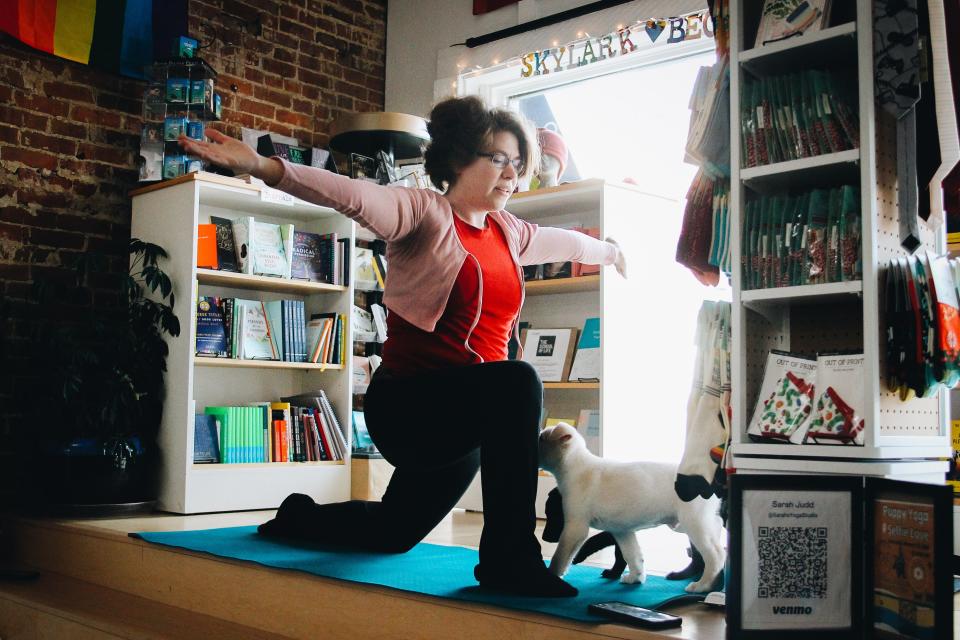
(554, 527)
(622, 497)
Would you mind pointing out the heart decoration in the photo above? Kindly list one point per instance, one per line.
(655, 28)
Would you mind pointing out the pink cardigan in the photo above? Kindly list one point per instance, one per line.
(423, 250)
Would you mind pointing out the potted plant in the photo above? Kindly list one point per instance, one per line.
(102, 362)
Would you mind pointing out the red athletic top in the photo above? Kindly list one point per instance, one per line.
(410, 350)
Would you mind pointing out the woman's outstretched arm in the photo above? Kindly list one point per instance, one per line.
(230, 153)
(391, 213)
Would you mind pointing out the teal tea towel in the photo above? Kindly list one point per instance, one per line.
(436, 570)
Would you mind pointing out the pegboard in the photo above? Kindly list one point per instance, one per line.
(764, 335)
(826, 327)
(921, 416)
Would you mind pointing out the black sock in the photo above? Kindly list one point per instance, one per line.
(536, 581)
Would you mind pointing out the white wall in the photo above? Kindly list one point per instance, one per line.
(420, 32)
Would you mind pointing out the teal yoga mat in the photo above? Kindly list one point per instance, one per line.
(436, 570)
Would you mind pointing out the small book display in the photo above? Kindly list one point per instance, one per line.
(179, 99)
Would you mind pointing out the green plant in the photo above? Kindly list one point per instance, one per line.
(103, 362)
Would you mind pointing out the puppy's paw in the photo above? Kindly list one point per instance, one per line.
(634, 578)
(700, 586)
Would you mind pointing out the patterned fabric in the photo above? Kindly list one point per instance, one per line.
(896, 50)
(787, 407)
(896, 55)
(835, 419)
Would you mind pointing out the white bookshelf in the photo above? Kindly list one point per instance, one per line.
(901, 439)
(168, 214)
(620, 211)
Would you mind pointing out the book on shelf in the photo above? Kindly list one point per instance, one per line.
(379, 314)
(206, 439)
(364, 329)
(226, 249)
(207, 246)
(365, 276)
(550, 352)
(332, 433)
(211, 328)
(513, 346)
(587, 361)
(314, 257)
(253, 336)
(262, 247)
(588, 424)
(532, 272)
(557, 270)
(362, 373)
(324, 334)
(783, 19)
(380, 269)
(361, 436)
(241, 433)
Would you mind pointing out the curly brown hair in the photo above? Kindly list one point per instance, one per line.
(461, 127)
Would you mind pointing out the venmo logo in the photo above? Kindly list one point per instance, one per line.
(793, 611)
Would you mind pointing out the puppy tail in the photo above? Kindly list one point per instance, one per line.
(593, 544)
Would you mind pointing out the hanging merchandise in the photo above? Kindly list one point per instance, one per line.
(923, 325)
(902, 40)
(838, 416)
(693, 245)
(702, 466)
(785, 399)
(704, 242)
(708, 136)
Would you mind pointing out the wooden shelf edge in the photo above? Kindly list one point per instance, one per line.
(265, 283)
(203, 361)
(196, 176)
(758, 53)
(239, 466)
(571, 385)
(562, 285)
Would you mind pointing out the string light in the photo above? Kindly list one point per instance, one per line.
(638, 26)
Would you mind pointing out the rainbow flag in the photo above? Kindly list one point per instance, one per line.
(121, 36)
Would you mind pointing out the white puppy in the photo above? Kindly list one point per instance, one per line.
(623, 497)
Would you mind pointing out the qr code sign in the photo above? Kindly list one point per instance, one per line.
(793, 562)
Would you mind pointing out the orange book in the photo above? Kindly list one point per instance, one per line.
(277, 432)
(207, 246)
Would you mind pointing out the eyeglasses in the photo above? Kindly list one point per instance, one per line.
(500, 160)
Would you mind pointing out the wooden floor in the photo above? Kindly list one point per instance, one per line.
(167, 600)
(97, 583)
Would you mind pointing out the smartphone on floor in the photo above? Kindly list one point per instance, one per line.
(623, 612)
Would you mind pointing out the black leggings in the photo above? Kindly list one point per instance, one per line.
(437, 429)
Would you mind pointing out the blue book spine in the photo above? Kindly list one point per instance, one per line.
(285, 319)
(301, 332)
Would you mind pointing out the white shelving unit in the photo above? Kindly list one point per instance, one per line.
(620, 211)
(168, 214)
(905, 440)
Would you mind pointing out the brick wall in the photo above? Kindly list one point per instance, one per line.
(69, 137)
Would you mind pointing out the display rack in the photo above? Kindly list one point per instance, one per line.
(168, 214)
(179, 97)
(835, 316)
